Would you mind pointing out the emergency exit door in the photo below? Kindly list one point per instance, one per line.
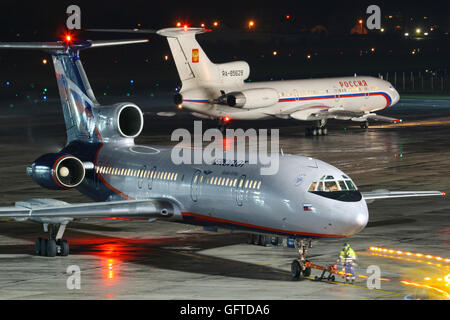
(195, 185)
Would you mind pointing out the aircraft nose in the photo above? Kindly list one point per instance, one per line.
(396, 97)
(353, 220)
(361, 219)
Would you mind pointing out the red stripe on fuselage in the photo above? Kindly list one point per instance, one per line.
(242, 224)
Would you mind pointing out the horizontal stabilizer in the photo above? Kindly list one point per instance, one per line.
(142, 31)
(179, 32)
(76, 45)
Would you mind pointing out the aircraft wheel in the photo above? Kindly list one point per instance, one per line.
(64, 248)
(314, 132)
(297, 271)
(43, 251)
(324, 131)
(307, 272)
(37, 246)
(51, 248)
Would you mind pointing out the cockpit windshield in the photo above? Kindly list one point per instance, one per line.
(340, 188)
(329, 183)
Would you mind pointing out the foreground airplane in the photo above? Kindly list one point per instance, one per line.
(218, 91)
(307, 198)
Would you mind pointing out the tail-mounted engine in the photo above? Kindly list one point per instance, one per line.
(119, 121)
(57, 171)
(251, 98)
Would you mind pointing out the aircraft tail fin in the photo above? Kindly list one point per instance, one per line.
(77, 97)
(191, 61)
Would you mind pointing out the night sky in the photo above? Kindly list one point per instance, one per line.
(44, 19)
(336, 54)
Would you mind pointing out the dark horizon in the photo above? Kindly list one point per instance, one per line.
(46, 20)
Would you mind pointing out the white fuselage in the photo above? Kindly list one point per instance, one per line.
(296, 98)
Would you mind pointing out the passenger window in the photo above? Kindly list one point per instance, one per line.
(313, 186)
(331, 186)
(342, 185)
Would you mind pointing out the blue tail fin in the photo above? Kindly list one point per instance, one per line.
(77, 98)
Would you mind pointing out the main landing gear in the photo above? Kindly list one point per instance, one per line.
(319, 130)
(364, 125)
(54, 245)
(301, 268)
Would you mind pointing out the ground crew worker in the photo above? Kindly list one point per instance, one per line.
(347, 258)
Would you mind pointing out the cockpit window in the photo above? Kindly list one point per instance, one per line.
(342, 185)
(350, 185)
(340, 190)
(320, 188)
(331, 186)
(312, 187)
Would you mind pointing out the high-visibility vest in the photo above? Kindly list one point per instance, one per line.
(349, 253)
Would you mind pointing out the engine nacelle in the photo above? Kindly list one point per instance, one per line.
(57, 171)
(251, 98)
(121, 120)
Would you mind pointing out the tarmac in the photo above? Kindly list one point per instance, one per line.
(407, 239)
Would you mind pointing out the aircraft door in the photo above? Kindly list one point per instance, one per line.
(142, 174)
(195, 185)
(337, 95)
(366, 92)
(240, 193)
(152, 178)
(296, 95)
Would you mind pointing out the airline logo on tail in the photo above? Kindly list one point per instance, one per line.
(195, 56)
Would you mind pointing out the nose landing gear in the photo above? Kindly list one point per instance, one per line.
(301, 268)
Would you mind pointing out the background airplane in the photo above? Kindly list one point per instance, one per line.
(306, 198)
(219, 91)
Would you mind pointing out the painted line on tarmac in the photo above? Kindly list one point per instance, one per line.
(361, 287)
(286, 272)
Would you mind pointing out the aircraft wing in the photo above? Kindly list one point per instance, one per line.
(50, 209)
(386, 194)
(376, 117)
(311, 112)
